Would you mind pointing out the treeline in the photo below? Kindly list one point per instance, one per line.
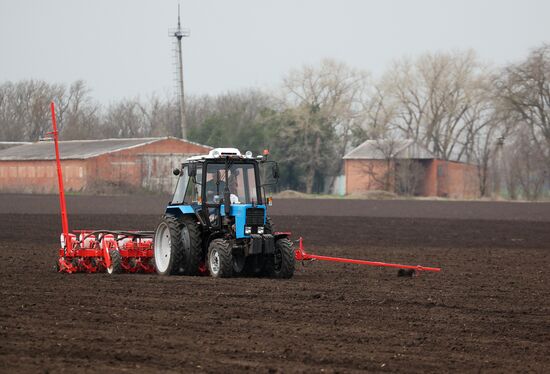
(452, 103)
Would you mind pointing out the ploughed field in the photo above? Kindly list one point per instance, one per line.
(489, 309)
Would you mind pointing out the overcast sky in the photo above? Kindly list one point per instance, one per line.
(122, 49)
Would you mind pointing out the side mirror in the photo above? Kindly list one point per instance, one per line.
(176, 172)
(275, 171)
(192, 169)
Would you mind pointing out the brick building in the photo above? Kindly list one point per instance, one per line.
(405, 167)
(96, 165)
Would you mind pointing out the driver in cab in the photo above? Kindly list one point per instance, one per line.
(215, 186)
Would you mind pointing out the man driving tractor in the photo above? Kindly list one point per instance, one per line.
(215, 185)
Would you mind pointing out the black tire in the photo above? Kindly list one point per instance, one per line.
(192, 246)
(405, 273)
(116, 262)
(239, 265)
(220, 259)
(281, 265)
(56, 267)
(269, 227)
(177, 246)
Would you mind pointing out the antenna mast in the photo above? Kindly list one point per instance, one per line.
(178, 34)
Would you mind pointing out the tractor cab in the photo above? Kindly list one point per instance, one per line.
(218, 215)
(221, 187)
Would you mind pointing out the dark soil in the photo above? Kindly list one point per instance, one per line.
(487, 311)
(148, 204)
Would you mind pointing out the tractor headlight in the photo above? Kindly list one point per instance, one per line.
(260, 229)
(62, 240)
(247, 230)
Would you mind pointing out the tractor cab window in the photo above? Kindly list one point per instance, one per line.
(241, 181)
(187, 191)
(193, 191)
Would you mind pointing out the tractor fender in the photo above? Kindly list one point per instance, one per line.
(281, 235)
(213, 236)
(178, 211)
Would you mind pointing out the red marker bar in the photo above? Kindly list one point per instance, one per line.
(63, 205)
(302, 255)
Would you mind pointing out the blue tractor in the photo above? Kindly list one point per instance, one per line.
(217, 221)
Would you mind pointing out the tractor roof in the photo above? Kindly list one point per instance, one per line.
(221, 153)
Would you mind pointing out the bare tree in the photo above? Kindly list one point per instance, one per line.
(527, 169)
(379, 114)
(10, 129)
(409, 175)
(24, 108)
(380, 178)
(161, 116)
(381, 169)
(327, 102)
(400, 173)
(198, 109)
(433, 96)
(78, 116)
(485, 149)
(125, 119)
(524, 89)
(487, 125)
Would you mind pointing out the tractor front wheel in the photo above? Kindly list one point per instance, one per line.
(220, 258)
(281, 265)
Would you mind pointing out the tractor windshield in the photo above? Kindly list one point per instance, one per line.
(241, 181)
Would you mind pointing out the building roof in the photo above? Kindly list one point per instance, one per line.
(76, 149)
(6, 145)
(383, 149)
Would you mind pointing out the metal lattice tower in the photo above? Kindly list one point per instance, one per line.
(179, 33)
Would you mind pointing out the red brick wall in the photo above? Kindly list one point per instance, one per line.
(41, 176)
(430, 178)
(455, 180)
(365, 175)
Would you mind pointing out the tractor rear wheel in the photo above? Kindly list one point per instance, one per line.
(116, 262)
(281, 265)
(220, 258)
(192, 246)
(177, 246)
